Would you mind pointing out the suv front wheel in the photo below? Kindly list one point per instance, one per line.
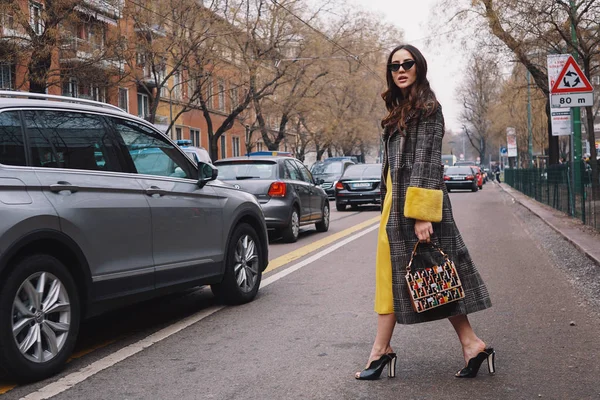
(243, 269)
(39, 318)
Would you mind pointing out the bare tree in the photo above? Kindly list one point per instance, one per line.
(478, 94)
(40, 30)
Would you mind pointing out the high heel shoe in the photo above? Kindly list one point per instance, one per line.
(472, 368)
(373, 371)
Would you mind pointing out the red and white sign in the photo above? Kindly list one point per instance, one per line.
(571, 80)
(569, 87)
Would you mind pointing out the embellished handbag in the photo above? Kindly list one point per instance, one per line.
(434, 286)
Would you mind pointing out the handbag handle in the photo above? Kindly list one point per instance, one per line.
(414, 253)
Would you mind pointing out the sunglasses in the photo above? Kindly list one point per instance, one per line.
(406, 65)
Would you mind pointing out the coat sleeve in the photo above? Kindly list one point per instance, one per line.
(424, 197)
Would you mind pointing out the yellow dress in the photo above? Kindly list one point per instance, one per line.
(384, 300)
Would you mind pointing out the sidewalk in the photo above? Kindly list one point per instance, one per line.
(585, 238)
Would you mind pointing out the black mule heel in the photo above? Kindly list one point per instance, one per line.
(472, 368)
(373, 371)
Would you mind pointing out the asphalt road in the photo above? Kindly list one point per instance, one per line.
(312, 326)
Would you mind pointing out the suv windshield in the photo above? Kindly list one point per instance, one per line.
(327, 168)
(247, 170)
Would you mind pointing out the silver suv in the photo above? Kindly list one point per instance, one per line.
(98, 208)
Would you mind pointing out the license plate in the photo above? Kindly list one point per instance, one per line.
(361, 185)
(458, 178)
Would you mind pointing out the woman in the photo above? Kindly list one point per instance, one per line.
(415, 208)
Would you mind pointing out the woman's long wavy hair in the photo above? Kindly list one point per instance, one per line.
(420, 96)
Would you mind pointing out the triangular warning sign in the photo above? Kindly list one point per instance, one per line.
(571, 79)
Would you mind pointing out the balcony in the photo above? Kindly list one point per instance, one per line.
(106, 10)
(74, 49)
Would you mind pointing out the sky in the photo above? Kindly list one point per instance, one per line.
(443, 60)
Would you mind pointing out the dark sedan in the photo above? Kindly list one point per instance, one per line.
(460, 177)
(285, 189)
(360, 184)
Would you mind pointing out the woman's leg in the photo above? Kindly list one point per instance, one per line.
(385, 329)
(471, 344)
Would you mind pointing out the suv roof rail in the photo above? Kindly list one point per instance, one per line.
(14, 93)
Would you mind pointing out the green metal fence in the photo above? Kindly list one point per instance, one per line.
(554, 186)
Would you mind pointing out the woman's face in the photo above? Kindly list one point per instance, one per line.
(406, 74)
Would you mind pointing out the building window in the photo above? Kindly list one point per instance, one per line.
(209, 93)
(176, 85)
(70, 87)
(221, 95)
(195, 137)
(7, 76)
(223, 146)
(7, 21)
(235, 141)
(35, 17)
(124, 99)
(259, 146)
(235, 100)
(143, 105)
(177, 133)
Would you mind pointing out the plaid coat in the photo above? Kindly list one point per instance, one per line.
(417, 164)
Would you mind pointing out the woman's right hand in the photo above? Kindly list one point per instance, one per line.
(423, 230)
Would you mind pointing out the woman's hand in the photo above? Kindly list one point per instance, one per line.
(423, 230)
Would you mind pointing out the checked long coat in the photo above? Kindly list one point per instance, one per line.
(418, 164)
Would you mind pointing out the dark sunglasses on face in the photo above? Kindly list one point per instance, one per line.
(406, 65)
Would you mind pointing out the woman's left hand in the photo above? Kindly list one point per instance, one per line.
(423, 230)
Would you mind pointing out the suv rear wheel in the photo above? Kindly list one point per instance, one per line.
(242, 267)
(39, 318)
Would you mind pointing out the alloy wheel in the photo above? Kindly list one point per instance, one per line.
(246, 263)
(326, 216)
(295, 223)
(41, 317)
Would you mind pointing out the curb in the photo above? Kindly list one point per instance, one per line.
(524, 202)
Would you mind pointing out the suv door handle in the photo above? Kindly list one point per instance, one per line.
(155, 190)
(62, 186)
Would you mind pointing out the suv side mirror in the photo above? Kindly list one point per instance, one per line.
(319, 181)
(206, 173)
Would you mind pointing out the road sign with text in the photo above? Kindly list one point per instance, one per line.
(571, 88)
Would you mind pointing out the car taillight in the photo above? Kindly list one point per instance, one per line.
(277, 189)
(470, 177)
(446, 178)
(339, 186)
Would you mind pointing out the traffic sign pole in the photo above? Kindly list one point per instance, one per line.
(576, 113)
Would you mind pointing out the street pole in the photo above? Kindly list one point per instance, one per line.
(529, 129)
(575, 111)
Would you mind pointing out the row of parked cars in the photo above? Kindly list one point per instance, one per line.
(464, 175)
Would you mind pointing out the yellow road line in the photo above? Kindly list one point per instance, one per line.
(84, 352)
(301, 252)
(6, 388)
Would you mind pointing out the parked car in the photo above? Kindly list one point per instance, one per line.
(197, 154)
(329, 172)
(100, 209)
(286, 190)
(461, 177)
(481, 176)
(360, 184)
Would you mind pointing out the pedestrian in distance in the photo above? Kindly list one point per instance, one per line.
(416, 207)
(497, 172)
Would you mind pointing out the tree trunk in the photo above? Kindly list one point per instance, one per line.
(40, 63)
